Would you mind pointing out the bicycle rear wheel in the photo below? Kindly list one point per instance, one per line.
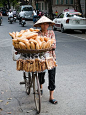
(37, 97)
(28, 83)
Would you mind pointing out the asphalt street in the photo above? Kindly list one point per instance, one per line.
(70, 82)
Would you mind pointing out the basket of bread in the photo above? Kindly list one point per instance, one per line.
(36, 64)
(28, 41)
(31, 47)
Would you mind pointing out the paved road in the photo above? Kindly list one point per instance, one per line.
(70, 76)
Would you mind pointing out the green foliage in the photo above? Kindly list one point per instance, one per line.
(4, 2)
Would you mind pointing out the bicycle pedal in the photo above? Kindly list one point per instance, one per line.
(22, 82)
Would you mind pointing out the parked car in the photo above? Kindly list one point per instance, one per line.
(70, 20)
(28, 9)
(4, 12)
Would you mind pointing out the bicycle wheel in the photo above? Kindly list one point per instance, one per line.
(37, 97)
(28, 83)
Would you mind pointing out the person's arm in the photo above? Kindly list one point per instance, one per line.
(53, 37)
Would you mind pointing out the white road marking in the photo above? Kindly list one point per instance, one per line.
(77, 36)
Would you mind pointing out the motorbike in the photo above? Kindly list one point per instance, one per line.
(22, 21)
(11, 19)
(14, 18)
(0, 21)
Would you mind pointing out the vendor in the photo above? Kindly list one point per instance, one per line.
(44, 23)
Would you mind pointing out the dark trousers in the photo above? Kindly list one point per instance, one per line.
(51, 77)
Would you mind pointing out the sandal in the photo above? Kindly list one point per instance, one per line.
(53, 101)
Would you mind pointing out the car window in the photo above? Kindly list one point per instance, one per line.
(27, 8)
(73, 15)
(61, 15)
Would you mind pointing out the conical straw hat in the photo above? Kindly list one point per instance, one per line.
(43, 19)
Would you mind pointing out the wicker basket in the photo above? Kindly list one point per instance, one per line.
(32, 51)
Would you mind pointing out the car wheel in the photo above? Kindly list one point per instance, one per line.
(83, 31)
(54, 28)
(62, 29)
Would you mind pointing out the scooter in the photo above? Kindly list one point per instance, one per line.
(11, 19)
(14, 17)
(22, 22)
(0, 21)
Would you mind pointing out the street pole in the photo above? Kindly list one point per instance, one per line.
(85, 8)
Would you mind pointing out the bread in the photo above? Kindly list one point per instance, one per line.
(42, 65)
(31, 35)
(48, 44)
(12, 35)
(39, 42)
(32, 45)
(25, 66)
(37, 30)
(37, 46)
(15, 41)
(32, 65)
(41, 39)
(19, 64)
(50, 62)
(34, 41)
(28, 45)
(43, 45)
(22, 45)
(46, 38)
(31, 29)
(36, 64)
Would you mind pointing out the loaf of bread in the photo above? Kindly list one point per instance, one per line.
(42, 65)
(31, 35)
(50, 63)
(22, 45)
(32, 65)
(19, 64)
(37, 64)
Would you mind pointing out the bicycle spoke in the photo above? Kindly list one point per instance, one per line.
(37, 97)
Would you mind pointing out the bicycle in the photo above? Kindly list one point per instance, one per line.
(31, 80)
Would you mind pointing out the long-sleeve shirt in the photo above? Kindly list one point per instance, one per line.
(50, 34)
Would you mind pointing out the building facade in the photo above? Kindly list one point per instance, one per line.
(60, 5)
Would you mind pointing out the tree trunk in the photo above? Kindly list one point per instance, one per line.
(8, 4)
(50, 9)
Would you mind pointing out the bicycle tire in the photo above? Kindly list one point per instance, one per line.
(28, 83)
(37, 97)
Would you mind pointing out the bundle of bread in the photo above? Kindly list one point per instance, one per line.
(32, 65)
(29, 39)
(50, 62)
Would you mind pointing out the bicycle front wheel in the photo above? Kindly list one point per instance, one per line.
(37, 97)
(28, 83)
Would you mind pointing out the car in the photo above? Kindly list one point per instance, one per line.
(70, 19)
(28, 9)
(4, 12)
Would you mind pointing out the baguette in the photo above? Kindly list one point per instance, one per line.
(22, 45)
(41, 39)
(12, 35)
(31, 29)
(19, 64)
(46, 38)
(48, 44)
(32, 45)
(15, 41)
(37, 46)
(36, 64)
(32, 35)
(43, 45)
(34, 41)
